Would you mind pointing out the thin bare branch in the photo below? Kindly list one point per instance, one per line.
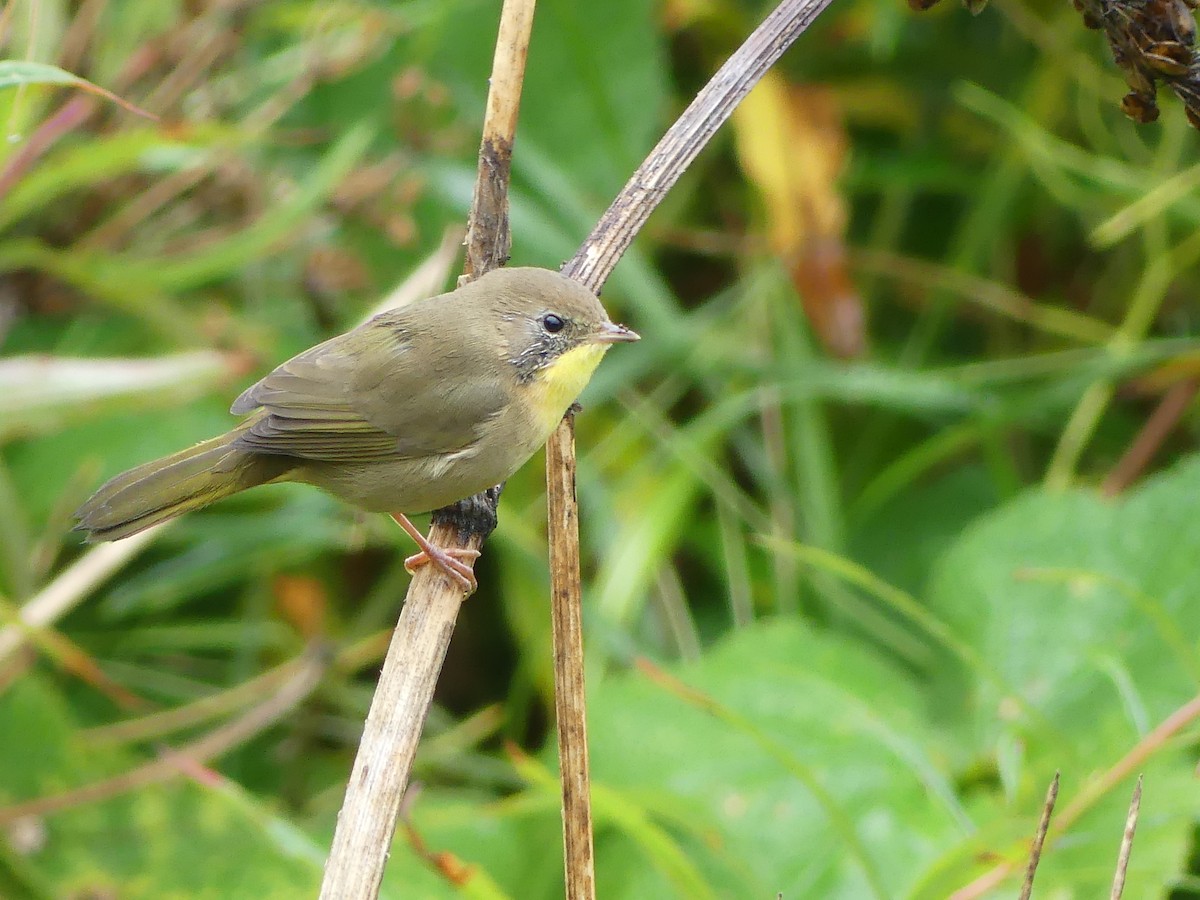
(373, 797)
(1135, 805)
(598, 256)
(174, 761)
(570, 699)
(367, 822)
(1039, 839)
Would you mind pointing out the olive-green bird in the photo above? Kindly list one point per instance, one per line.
(411, 411)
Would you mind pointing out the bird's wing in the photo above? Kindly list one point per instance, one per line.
(333, 403)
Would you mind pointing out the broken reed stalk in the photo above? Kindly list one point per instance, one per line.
(398, 710)
(1131, 819)
(1039, 839)
(367, 821)
(1092, 792)
(591, 265)
(570, 697)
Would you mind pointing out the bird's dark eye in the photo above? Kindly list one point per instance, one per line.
(552, 323)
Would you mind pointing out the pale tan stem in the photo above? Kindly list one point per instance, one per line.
(401, 702)
(367, 822)
(570, 700)
(70, 588)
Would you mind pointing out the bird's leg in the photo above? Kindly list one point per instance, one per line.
(455, 562)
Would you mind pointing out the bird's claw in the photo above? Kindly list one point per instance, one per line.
(455, 562)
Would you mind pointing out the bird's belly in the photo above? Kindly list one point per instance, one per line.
(421, 484)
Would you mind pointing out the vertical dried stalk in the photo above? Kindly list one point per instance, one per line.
(488, 234)
(591, 265)
(1135, 805)
(405, 690)
(1039, 839)
(569, 695)
(403, 696)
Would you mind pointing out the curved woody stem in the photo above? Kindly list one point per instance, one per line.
(373, 796)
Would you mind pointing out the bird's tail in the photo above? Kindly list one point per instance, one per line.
(168, 487)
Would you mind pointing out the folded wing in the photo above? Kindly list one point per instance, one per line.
(363, 397)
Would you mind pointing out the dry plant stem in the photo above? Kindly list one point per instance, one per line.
(1039, 839)
(1094, 790)
(1135, 804)
(591, 265)
(367, 822)
(397, 716)
(570, 704)
(368, 817)
(1160, 424)
(488, 235)
(174, 761)
(61, 595)
(594, 261)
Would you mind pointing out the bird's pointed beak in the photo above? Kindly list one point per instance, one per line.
(611, 333)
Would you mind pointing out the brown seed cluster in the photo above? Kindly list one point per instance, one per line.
(1151, 41)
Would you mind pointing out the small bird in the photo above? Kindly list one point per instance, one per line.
(411, 411)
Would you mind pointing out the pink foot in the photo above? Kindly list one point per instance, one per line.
(455, 562)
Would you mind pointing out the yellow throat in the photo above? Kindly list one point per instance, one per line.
(556, 386)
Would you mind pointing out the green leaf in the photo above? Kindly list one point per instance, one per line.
(44, 394)
(784, 761)
(14, 73)
(101, 159)
(1086, 608)
(790, 762)
(202, 838)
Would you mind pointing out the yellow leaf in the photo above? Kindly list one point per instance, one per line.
(792, 147)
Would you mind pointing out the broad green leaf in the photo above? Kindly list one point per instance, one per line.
(784, 761)
(800, 765)
(1086, 608)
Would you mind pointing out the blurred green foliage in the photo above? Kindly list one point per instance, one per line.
(846, 617)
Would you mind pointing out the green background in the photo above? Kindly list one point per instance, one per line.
(846, 618)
